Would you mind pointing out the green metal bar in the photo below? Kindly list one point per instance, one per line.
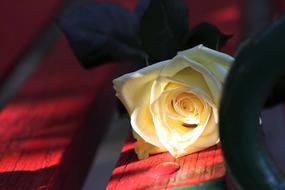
(250, 81)
(218, 184)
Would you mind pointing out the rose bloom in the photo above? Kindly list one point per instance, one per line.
(173, 104)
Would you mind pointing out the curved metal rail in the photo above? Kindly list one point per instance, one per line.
(250, 81)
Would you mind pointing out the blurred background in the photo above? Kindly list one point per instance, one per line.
(59, 127)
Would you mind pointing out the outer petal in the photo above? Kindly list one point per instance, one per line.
(144, 149)
(173, 67)
(142, 124)
(213, 84)
(131, 88)
(183, 61)
(216, 62)
(193, 79)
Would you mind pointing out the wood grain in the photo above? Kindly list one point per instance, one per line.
(50, 131)
(131, 173)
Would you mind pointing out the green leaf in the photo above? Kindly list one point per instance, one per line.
(102, 32)
(206, 34)
(163, 28)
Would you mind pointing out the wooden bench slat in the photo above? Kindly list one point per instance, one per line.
(225, 14)
(131, 173)
(50, 131)
(21, 22)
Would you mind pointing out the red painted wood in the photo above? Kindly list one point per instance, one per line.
(20, 22)
(225, 14)
(165, 169)
(278, 8)
(50, 131)
(132, 173)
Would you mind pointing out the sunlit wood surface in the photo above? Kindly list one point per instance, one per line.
(131, 173)
(50, 130)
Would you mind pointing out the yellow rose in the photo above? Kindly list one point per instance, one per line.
(173, 104)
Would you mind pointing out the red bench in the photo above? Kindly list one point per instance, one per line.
(21, 23)
(51, 129)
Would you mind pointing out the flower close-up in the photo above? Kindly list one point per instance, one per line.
(173, 104)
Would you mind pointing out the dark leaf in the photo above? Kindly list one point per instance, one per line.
(142, 5)
(102, 32)
(163, 28)
(206, 34)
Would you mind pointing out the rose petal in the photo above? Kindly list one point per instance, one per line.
(207, 141)
(131, 87)
(207, 55)
(172, 83)
(193, 78)
(158, 86)
(211, 126)
(173, 139)
(191, 137)
(201, 143)
(213, 83)
(163, 84)
(143, 125)
(144, 149)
